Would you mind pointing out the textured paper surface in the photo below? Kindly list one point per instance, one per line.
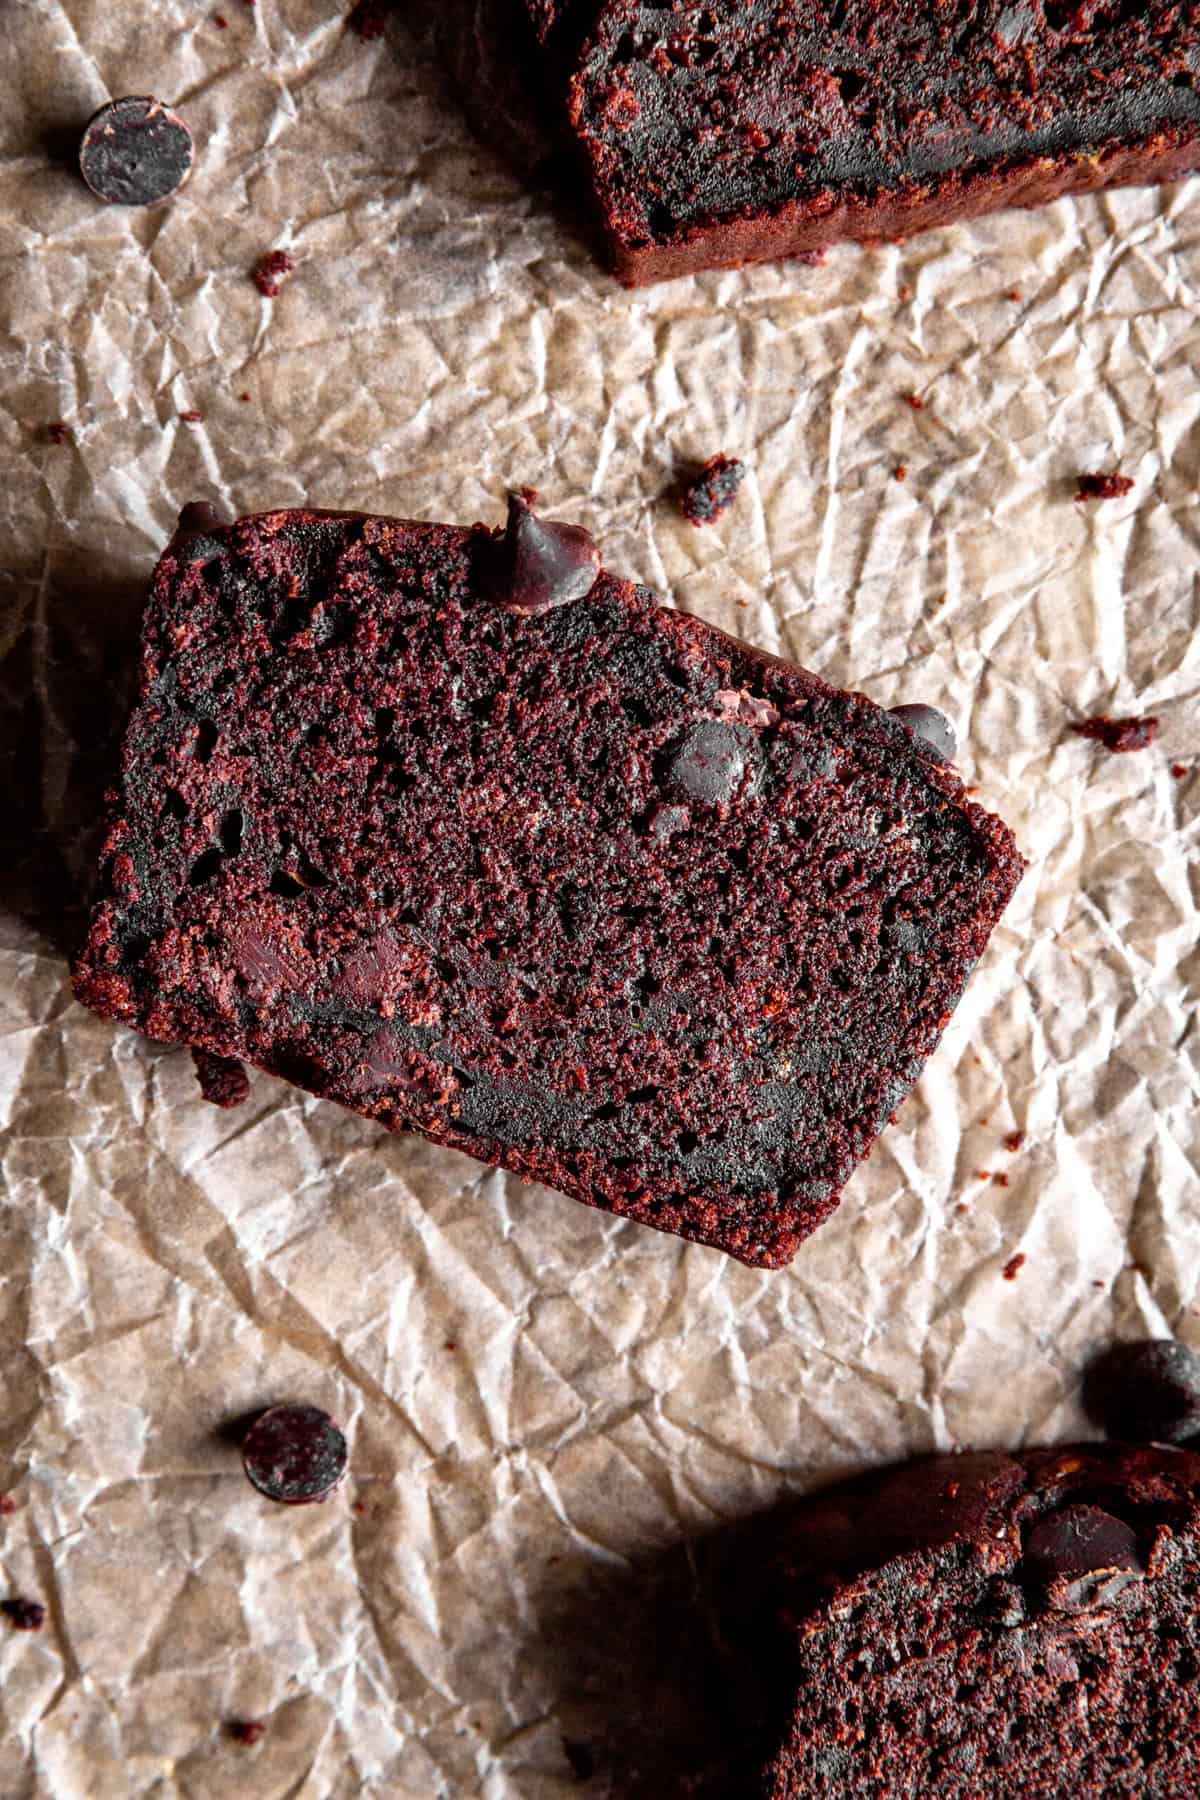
(539, 1398)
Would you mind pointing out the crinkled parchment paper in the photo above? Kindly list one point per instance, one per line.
(542, 1401)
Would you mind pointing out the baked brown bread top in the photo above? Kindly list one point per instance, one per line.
(734, 131)
(458, 830)
(1011, 1626)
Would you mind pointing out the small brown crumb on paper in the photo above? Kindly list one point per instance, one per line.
(59, 433)
(192, 417)
(1000, 1179)
(8, 1504)
(916, 402)
(1014, 1140)
(710, 491)
(220, 21)
(268, 276)
(1118, 735)
(1103, 487)
(900, 472)
(1014, 1265)
(24, 1615)
(1179, 770)
(246, 1731)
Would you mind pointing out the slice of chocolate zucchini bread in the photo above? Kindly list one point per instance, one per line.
(718, 132)
(1020, 1626)
(456, 829)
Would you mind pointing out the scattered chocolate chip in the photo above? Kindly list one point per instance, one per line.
(579, 1756)
(294, 1454)
(223, 1079)
(1118, 734)
(537, 565)
(1145, 1392)
(932, 727)
(24, 1615)
(1103, 487)
(58, 433)
(270, 271)
(135, 151)
(709, 491)
(246, 1731)
(1083, 1558)
(708, 764)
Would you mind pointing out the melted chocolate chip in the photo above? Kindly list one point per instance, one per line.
(708, 764)
(537, 564)
(1083, 1558)
(932, 727)
(294, 1454)
(135, 151)
(1146, 1392)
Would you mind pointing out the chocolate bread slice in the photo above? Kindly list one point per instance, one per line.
(1004, 1627)
(453, 828)
(719, 132)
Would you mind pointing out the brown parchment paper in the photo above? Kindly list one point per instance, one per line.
(541, 1401)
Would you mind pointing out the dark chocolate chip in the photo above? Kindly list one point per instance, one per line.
(537, 564)
(708, 764)
(24, 1615)
(223, 1079)
(1146, 1392)
(135, 151)
(932, 727)
(1083, 1558)
(294, 1454)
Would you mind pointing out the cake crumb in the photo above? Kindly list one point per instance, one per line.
(983, 1174)
(710, 491)
(220, 21)
(246, 1731)
(1103, 487)
(1014, 293)
(916, 402)
(1000, 1179)
(192, 417)
(451, 1344)
(905, 291)
(24, 1615)
(900, 472)
(1014, 1265)
(59, 433)
(359, 1507)
(368, 19)
(1118, 735)
(8, 1503)
(1179, 770)
(223, 1079)
(1014, 1140)
(268, 276)
(243, 396)
(962, 1207)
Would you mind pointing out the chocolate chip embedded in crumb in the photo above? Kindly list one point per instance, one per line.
(135, 151)
(1145, 1392)
(223, 1079)
(708, 764)
(294, 1454)
(538, 564)
(932, 727)
(1083, 1558)
(24, 1615)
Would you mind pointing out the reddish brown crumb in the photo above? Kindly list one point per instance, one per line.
(451, 1344)
(900, 472)
(951, 1489)
(24, 1615)
(707, 492)
(905, 291)
(246, 1731)
(916, 402)
(243, 396)
(1014, 1265)
(1179, 770)
(1118, 734)
(962, 1207)
(369, 18)
(220, 21)
(983, 1174)
(192, 417)
(1014, 293)
(359, 1506)
(8, 1503)
(1097, 1284)
(1103, 487)
(223, 1079)
(268, 276)
(1014, 1140)
(1000, 1180)
(58, 433)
